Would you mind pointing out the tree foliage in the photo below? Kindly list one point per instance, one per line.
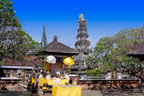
(110, 52)
(14, 42)
(89, 62)
(96, 72)
(7, 15)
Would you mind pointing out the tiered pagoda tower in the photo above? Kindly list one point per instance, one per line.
(82, 44)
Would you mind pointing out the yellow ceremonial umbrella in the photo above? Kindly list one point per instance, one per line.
(68, 61)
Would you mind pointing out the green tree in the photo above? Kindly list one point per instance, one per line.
(17, 44)
(14, 42)
(96, 72)
(102, 50)
(7, 15)
(125, 41)
(90, 62)
(111, 51)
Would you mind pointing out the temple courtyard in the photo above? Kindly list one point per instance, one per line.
(112, 92)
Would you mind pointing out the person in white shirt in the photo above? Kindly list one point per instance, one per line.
(58, 73)
(57, 80)
(40, 76)
(67, 76)
(48, 76)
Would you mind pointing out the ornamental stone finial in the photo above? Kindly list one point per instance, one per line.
(55, 38)
(81, 17)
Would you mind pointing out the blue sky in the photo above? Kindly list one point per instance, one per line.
(104, 17)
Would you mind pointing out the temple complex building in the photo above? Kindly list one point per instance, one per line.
(60, 51)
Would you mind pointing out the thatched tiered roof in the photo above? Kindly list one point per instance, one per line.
(138, 52)
(58, 48)
(29, 61)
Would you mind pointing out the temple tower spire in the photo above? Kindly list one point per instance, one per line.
(44, 37)
(82, 43)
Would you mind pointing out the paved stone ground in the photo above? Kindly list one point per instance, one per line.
(14, 93)
(111, 92)
(115, 93)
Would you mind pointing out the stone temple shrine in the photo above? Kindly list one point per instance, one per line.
(82, 45)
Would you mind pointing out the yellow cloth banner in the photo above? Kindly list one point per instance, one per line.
(46, 66)
(42, 81)
(33, 80)
(50, 82)
(66, 91)
(64, 81)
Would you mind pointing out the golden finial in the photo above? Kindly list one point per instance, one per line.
(81, 17)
